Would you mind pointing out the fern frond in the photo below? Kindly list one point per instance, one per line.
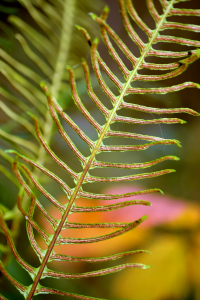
(49, 47)
(92, 162)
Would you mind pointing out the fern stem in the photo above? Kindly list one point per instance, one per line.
(66, 35)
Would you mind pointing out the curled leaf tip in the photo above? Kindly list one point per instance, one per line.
(42, 84)
(44, 87)
(106, 9)
(32, 115)
(96, 41)
(144, 218)
(92, 15)
(159, 191)
(176, 158)
(197, 52)
(10, 151)
(146, 203)
(177, 143)
(146, 267)
(144, 251)
(79, 27)
(183, 122)
(198, 85)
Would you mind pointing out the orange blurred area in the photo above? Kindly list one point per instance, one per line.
(171, 234)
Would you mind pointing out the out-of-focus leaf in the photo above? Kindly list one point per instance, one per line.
(167, 279)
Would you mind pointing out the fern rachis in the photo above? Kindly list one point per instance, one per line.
(96, 147)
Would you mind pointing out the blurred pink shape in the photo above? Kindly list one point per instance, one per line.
(162, 210)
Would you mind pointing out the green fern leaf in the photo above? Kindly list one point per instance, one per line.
(33, 186)
(47, 48)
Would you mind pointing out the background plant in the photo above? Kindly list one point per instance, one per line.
(189, 57)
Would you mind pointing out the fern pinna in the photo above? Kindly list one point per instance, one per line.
(118, 102)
